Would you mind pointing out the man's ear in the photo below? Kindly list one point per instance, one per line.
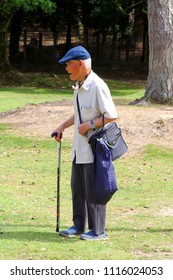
(81, 62)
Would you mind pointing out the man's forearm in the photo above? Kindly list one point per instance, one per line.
(99, 121)
(85, 127)
(69, 122)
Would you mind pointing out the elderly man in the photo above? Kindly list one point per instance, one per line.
(94, 99)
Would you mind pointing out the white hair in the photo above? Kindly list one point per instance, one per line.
(87, 63)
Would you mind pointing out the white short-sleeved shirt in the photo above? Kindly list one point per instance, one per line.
(94, 99)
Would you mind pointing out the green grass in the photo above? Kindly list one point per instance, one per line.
(136, 223)
(139, 223)
(126, 89)
(14, 97)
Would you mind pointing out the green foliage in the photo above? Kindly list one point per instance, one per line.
(9, 6)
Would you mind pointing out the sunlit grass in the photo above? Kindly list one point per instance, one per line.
(14, 97)
(136, 215)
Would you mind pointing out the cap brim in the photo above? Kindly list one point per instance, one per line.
(63, 60)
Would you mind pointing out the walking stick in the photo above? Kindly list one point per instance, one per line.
(58, 182)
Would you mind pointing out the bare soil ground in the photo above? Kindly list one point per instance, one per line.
(140, 125)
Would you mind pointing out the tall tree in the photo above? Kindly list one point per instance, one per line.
(85, 13)
(15, 33)
(7, 10)
(159, 87)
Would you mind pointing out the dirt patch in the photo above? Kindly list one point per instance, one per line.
(166, 211)
(140, 125)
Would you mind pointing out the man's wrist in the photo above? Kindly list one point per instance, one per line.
(92, 125)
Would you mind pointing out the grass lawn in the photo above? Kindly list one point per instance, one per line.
(137, 223)
(56, 89)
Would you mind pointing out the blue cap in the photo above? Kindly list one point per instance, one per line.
(76, 53)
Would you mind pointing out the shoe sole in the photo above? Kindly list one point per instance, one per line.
(69, 235)
(94, 239)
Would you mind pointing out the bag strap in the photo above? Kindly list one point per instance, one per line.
(79, 113)
(102, 120)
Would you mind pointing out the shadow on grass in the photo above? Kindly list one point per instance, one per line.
(53, 236)
(149, 230)
(36, 236)
(32, 233)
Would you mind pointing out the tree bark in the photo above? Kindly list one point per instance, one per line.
(159, 87)
(4, 61)
(5, 22)
(15, 33)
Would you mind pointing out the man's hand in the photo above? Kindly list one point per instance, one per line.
(57, 135)
(83, 128)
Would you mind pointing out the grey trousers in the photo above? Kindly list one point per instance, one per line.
(84, 209)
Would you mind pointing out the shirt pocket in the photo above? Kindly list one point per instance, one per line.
(89, 113)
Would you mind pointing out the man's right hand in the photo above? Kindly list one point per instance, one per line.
(57, 135)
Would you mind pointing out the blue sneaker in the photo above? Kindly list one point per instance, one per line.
(72, 231)
(91, 235)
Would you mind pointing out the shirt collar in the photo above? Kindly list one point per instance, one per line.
(85, 83)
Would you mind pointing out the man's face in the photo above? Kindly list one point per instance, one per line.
(73, 67)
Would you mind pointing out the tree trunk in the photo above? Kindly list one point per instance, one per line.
(159, 87)
(114, 44)
(68, 36)
(86, 36)
(145, 47)
(4, 61)
(5, 22)
(16, 30)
